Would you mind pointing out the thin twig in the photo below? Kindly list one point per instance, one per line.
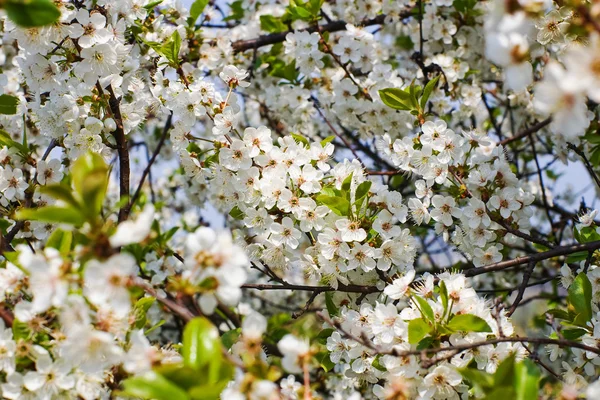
(149, 166)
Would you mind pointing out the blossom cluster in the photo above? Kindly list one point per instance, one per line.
(381, 169)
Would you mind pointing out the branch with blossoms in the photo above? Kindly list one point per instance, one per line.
(299, 200)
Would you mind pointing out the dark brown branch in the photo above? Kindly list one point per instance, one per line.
(587, 163)
(532, 129)
(521, 292)
(149, 166)
(541, 178)
(273, 38)
(456, 349)
(518, 233)
(555, 252)
(178, 309)
(123, 151)
(122, 148)
(288, 286)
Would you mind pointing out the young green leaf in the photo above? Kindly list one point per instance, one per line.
(150, 6)
(331, 307)
(196, 9)
(444, 295)
(527, 378)
(396, 98)
(347, 183)
(417, 330)
(324, 361)
(90, 179)
(363, 189)
(236, 213)
(428, 90)
(579, 299)
(300, 139)
(468, 323)
(425, 308)
(60, 240)
(230, 337)
(201, 343)
(32, 13)
(61, 192)
(154, 386)
(338, 205)
(328, 139)
(271, 24)
(54, 214)
(8, 104)
(6, 140)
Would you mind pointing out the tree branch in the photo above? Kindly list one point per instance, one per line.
(149, 166)
(335, 26)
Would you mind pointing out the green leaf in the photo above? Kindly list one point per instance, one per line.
(377, 363)
(328, 139)
(501, 393)
(428, 90)
(212, 390)
(20, 330)
(332, 309)
(560, 314)
(60, 240)
(468, 323)
(425, 308)
(579, 299)
(504, 375)
(196, 9)
(586, 234)
(444, 295)
(527, 378)
(150, 6)
(153, 386)
(90, 179)
(271, 24)
(573, 334)
(6, 140)
(201, 344)
(52, 214)
(338, 205)
(209, 391)
(362, 190)
(576, 257)
(480, 380)
(32, 13)
(169, 49)
(417, 330)
(425, 343)
(236, 213)
(299, 11)
(300, 139)
(8, 104)
(324, 335)
(287, 72)
(61, 192)
(237, 11)
(324, 361)
(182, 376)
(140, 309)
(347, 183)
(396, 98)
(155, 326)
(230, 337)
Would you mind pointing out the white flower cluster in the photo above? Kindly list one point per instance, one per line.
(387, 327)
(473, 167)
(279, 190)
